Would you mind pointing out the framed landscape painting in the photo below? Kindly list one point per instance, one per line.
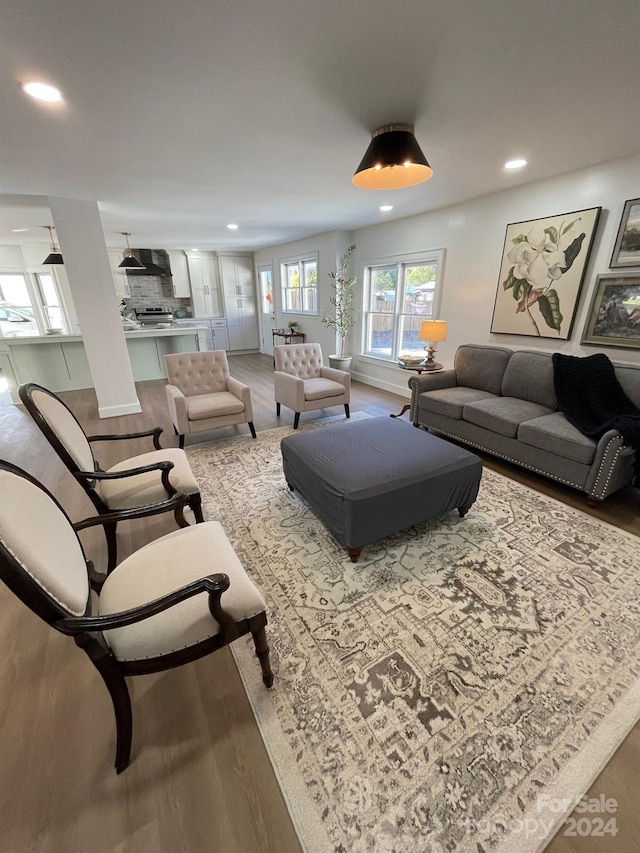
(614, 313)
(541, 274)
(626, 252)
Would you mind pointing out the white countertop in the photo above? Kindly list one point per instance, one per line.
(183, 329)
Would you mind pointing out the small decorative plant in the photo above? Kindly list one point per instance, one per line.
(293, 325)
(345, 286)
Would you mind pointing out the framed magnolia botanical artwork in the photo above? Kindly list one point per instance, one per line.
(614, 313)
(626, 252)
(542, 271)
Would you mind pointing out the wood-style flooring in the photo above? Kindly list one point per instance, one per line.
(200, 778)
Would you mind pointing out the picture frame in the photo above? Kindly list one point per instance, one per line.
(614, 314)
(542, 271)
(626, 251)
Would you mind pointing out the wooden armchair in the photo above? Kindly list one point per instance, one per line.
(175, 600)
(137, 487)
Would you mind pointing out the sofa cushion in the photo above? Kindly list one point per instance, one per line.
(629, 379)
(554, 433)
(481, 366)
(503, 414)
(451, 401)
(529, 376)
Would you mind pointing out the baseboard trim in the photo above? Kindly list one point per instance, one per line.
(117, 411)
(401, 390)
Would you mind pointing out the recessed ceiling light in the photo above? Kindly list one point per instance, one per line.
(42, 92)
(232, 226)
(18, 230)
(195, 250)
(515, 164)
(385, 208)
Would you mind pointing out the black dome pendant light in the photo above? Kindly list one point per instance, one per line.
(54, 256)
(129, 262)
(393, 160)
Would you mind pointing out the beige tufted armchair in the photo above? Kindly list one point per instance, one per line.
(201, 395)
(302, 383)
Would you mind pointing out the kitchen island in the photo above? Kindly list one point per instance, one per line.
(59, 362)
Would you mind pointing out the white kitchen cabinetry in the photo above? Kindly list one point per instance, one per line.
(205, 291)
(120, 281)
(215, 329)
(238, 288)
(242, 322)
(236, 272)
(180, 275)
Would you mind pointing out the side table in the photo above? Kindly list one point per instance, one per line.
(420, 369)
(281, 333)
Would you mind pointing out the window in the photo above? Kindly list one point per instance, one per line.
(400, 295)
(30, 304)
(266, 289)
(299, 279)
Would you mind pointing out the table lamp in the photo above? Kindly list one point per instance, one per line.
(433, 331)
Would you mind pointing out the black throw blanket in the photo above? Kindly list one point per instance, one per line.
(591, 398)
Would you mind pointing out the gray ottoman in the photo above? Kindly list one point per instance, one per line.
(370, 478)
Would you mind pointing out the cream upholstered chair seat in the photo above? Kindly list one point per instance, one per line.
(202, 395)
(302, 382)
(136, 487)
(175, 600)
(177, 559)
(144, 489)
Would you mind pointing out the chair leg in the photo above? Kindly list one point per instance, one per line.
(296, 420)
(195, 502)
(252, 428)
(278, 409)
(181, 441)
(112, 546)
(346, 410)
(116, 684)
(262, 653)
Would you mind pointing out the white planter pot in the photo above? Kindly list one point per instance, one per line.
(340, 363)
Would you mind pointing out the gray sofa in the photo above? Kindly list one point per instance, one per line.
(503, 401)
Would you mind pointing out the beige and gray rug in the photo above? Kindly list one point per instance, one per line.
(434, 695)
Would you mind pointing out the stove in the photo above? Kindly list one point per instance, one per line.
(153, 316)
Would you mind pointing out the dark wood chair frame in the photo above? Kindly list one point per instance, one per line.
(88, 479)
(87, 629)
(296, 418)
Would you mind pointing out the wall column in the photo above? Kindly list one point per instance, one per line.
(79, 230)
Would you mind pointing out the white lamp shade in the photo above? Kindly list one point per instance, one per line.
(433, 330)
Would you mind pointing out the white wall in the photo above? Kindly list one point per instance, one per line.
(473, 236)
(329, 247)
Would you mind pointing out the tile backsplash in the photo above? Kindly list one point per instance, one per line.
(151, 291)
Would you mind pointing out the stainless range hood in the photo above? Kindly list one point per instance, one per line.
(145, 256)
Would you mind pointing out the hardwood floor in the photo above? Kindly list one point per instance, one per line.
(200, 779)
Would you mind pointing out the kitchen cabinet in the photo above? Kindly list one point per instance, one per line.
(180, 275)
(205, 291)
(215, 329)
(242, 323)
(236, 272)
(120, 281)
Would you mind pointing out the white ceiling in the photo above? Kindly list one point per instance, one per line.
(180, 117)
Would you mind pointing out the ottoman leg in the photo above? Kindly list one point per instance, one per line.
(354, 553)
(463, 510)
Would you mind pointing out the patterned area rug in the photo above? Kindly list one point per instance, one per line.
(437, 694)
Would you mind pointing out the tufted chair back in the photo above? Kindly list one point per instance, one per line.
(301, 360)
(197, 373)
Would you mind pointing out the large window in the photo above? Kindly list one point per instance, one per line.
(29, 305)
(399, 296)
(299, 279)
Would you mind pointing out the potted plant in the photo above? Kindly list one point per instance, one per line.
(343, 319)
(293, 326)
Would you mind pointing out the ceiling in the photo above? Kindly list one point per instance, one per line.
(180, 117)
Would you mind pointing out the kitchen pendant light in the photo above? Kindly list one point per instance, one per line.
(54, 256)
(393, 160)
(129, 262)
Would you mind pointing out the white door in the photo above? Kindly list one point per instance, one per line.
(267, 309)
